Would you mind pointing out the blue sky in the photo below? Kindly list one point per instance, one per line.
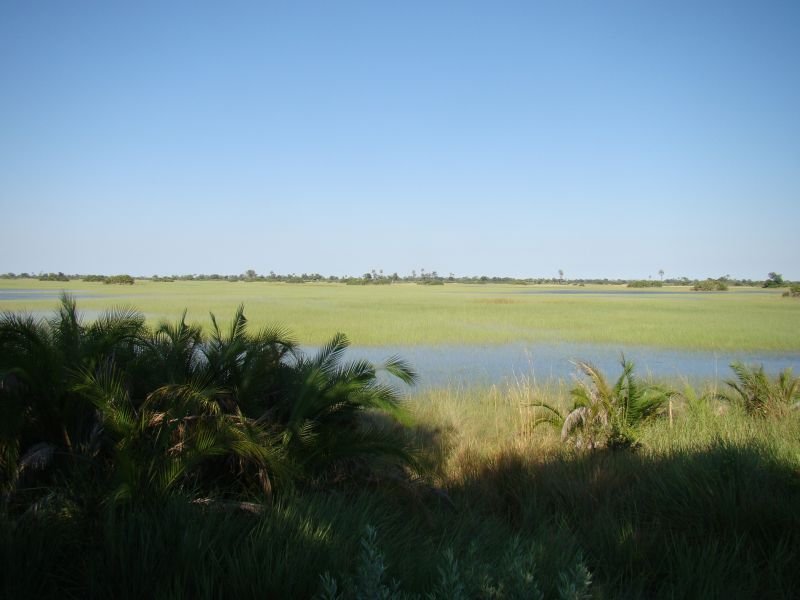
(607, 139)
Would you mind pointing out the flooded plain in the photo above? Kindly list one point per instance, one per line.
(472, 364)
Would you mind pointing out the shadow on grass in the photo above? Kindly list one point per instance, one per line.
(718, 523)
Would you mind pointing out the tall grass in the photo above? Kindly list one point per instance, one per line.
(705, 507)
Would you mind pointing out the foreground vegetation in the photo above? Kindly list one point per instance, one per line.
(742, 319)
(167, 462)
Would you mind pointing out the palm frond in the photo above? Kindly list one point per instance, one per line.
(575, 420)
(37, 457)
(547, 414)
(118, 323)
(400, 368)
(276, 337)
(327, 357)
(597, 378)
(194, 397)
(355, 372)
(238, 327)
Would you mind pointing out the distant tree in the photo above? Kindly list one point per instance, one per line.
(661, 274)
(119, 279)
(711, 285)
(250, 274)
(53, 277)
(560, 275)
(773, 280)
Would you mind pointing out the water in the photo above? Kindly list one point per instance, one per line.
(31, 294)
(614, 292)
(468, 365)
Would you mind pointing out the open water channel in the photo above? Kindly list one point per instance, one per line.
(468, 365)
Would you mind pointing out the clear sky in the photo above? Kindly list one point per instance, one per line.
(604, 138)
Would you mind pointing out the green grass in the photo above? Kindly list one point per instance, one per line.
(706, 507)
(407, 314)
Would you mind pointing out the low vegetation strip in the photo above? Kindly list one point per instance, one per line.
(173, 462)
(742, 319)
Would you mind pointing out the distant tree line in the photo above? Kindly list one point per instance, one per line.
(53, 277)
(423, 277)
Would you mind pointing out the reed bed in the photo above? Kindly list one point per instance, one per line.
(408, 314)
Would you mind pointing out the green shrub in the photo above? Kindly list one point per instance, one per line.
(516, 578)
(119, 279)
(774, 280)
(793, 291)
(139, 414)
(710, 285)
(757, 395)
(603, 415)
(644, 283)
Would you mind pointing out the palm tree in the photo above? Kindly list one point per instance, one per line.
(145, 413)
(753, 391)
(46, 421)
(180, 438)
(201, 418)
(322, 415)
(604, 414)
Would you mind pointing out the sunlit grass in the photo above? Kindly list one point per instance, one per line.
(408, 314)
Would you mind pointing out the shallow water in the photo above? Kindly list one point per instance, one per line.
(32, 294)
(614, 292)
(468, 365)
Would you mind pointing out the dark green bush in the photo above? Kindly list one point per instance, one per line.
(710, 285)
(119, 279)
(644, 283)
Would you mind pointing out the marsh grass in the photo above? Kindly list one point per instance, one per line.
(407, 314)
